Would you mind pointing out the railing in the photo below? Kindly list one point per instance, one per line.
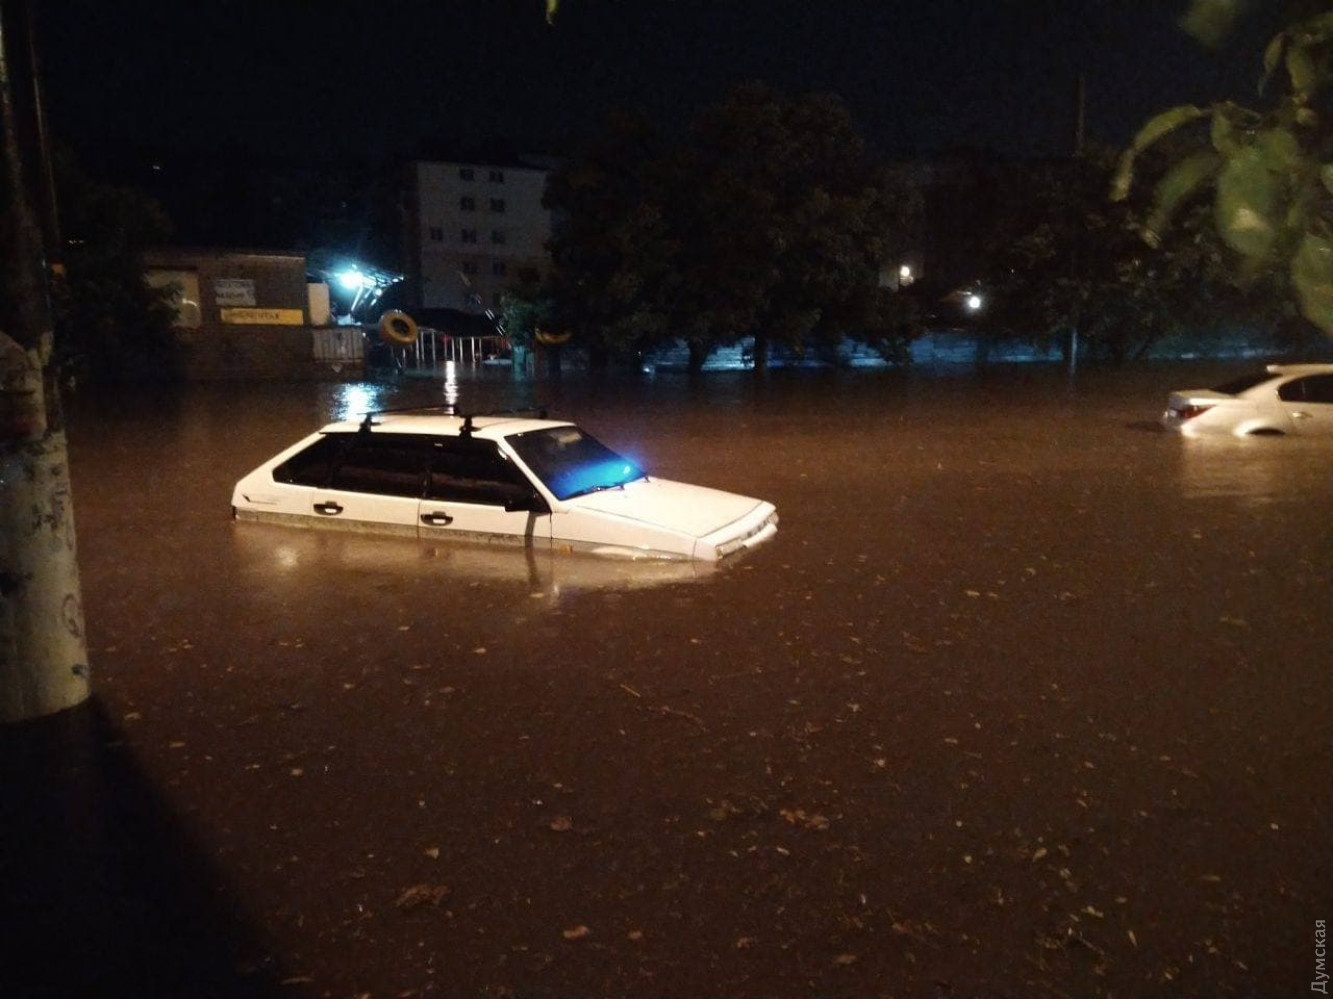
(434, 348)
(338, 344)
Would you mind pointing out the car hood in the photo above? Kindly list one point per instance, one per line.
(677, 506)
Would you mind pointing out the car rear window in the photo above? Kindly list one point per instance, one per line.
(1244, 383)
(312, 466)
(1313, 388)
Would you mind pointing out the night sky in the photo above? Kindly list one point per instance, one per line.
(339, 79)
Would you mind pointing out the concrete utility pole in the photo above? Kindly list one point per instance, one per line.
(43, 656)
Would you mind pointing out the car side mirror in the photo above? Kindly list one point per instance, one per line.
(531, 502)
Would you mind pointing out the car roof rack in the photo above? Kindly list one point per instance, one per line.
(466, 431)
(451, 409)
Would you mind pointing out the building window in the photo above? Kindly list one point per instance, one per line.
(497, 204)
(498, 237)
(436, 234)
(464, 173)
(467, 203)
(468, 235)
(469, 267)
(498, 268)
(497, 177)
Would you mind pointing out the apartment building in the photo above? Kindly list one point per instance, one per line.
(471, 230)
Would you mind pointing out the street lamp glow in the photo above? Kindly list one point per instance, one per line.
(974, 302)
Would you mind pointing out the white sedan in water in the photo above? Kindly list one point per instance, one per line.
(507, 477)
(1282, 399)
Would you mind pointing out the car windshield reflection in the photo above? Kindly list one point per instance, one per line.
(571, 463)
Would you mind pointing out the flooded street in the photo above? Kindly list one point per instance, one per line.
(1025, 698)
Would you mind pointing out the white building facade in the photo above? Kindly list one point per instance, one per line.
(472, 230)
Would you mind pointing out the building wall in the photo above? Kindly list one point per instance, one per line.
(472, 230)
(239, 314)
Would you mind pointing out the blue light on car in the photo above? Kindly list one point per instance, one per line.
(596, 475)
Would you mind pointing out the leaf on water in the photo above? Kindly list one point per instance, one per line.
(576, 932)
(723, 811)
(799, 817)
(419, 895)
(845, 959)
(562, 823)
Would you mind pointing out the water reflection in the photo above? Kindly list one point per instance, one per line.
(448, 386)
(286, 560)
(354, 399)
(1255, 470)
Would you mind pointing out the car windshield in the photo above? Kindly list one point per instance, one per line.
(570, 463)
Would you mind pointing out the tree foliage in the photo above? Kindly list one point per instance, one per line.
(1064, 261)
(1267, 171)
(109, 324)
(768, 220)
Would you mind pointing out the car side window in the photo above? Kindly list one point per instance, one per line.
(312, 466)
(1312, 388)
(474, 471)
(385, 464)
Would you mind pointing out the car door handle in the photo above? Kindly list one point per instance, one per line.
(437, 519)
(328, 509)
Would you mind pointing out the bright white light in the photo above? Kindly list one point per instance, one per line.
(355, 280)
(450, 383)
(973, 302)
(355, 400)
(905, 272)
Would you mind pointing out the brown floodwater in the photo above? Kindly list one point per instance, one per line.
(1025, 698)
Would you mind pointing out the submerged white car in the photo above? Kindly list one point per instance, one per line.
(506, 477)
(1282, 399)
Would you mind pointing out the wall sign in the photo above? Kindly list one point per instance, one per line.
(264, 317)
(233, 291)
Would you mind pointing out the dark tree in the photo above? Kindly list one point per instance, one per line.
(109, 324)
(769, 220)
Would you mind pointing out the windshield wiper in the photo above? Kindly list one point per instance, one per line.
(595, 489)
(603, 486)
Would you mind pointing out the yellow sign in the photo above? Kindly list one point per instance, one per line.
(264, 317)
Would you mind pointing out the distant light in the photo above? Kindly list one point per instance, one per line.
(355, 280)
(905, 272)
(973, 302)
